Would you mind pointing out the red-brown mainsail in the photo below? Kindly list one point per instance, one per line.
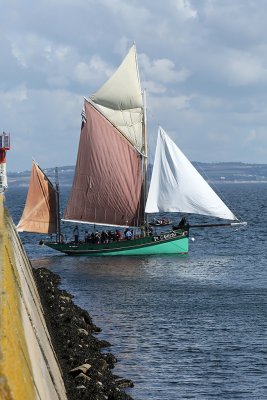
(108, 177)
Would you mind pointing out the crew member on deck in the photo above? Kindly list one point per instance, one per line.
(118, 235)
(76, 234)
(128, 234)
(181, 224)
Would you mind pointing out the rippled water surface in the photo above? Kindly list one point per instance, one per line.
(191, 327)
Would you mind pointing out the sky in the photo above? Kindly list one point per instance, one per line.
(203, 64)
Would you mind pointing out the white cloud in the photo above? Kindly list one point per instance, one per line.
(154, 87)
(162, 70)
(251, 136)
(165, 108)
(185, 9)
(9, 99)
(244, 69)
(48, 131)
(31, 50)
(95, 71)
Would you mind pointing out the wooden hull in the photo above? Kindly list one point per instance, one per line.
(167, 243)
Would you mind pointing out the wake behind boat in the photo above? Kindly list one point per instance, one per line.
(110, 187)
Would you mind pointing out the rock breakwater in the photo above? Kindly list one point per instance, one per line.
(86, 370)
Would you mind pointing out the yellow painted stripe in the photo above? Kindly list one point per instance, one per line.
(16, 378)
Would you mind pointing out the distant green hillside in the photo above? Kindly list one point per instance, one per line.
(233, 171)
(213, 172)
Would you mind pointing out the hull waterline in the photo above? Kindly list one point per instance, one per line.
(167, 243)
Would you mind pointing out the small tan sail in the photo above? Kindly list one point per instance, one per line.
(40, 213)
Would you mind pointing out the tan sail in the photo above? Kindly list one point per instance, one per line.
(40, 213)
(108, 177)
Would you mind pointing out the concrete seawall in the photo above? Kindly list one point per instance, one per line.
(28, 365)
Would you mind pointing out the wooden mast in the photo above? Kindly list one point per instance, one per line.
(145, 156)
(58, 234)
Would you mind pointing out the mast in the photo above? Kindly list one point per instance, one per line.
(144, 146)
(145, 156)
(58, 233)
(4, 146)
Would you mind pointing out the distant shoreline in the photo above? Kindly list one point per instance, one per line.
(25, 183)
(230, 172)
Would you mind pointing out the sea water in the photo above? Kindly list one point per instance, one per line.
(191, 327)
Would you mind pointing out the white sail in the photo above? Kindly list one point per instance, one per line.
(120, 99)
(176, 186)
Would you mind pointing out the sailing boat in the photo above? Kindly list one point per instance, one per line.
(110, 183)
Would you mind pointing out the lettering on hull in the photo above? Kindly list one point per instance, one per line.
(167, 236)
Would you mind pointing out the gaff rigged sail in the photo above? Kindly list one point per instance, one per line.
(40, 212)
(108, 177)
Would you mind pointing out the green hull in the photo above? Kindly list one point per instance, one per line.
(167, 243)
